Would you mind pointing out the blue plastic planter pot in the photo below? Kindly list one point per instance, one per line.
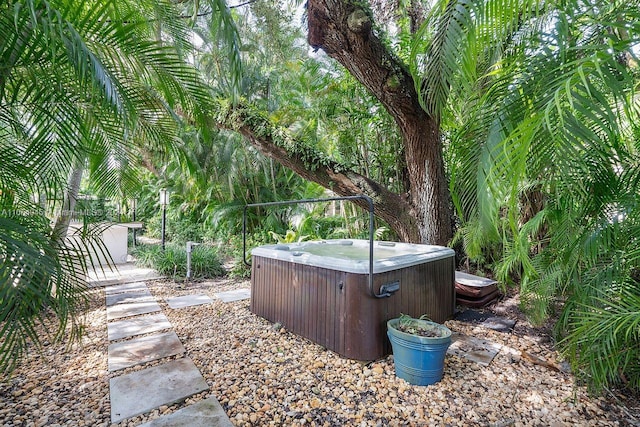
(418, 360)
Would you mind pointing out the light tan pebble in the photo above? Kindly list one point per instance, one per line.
(319, 364)
(378, 370)
(253, 418)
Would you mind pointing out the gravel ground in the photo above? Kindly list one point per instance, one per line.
(265, 376)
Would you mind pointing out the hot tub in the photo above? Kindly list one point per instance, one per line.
(321, 290)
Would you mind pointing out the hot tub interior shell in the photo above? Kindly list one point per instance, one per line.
(335, 308)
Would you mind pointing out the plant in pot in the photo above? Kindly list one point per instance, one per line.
(419, 347)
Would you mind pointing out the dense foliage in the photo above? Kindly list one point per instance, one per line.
(83, 87)
(172, 262)
(544, 159)
(535, 101)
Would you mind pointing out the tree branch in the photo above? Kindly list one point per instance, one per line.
(345, 30)
(242, 4)
(316, 166)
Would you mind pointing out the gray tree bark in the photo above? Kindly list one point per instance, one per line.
(63, 220)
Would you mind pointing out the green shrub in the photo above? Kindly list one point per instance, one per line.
(603, 342)
(233, 249)
(205, 261)
(240, 270)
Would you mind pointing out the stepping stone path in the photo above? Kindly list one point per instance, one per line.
(188, 301)
(132, 311)
(145, 349)
(129, 297)
(235, 295)
(143, 391)
(137, 326)
(126, 287)
(119, 274)
(205, 413)
(499, 324)
(474, 349)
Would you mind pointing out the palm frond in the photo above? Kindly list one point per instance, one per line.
(79, 84)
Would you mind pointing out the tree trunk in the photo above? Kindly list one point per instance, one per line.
(417, 11)
(344, 30)
(69, 202)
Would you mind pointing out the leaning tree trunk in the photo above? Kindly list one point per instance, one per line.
(344, 30)
(69, 202)
(312, 165)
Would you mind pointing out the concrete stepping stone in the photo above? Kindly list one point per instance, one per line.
(142, 391)
(499, 324)
(121, 273)
(188, 301)
(127, 287)
(137, 326)
(234, 295)
(206, 413)
(141, 350)
(119, 311)
(126, 297)
(474, 349)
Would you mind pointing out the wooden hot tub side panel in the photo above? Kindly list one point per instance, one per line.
(424, 289)
(336, 310)
(363, 314)
(305, 300)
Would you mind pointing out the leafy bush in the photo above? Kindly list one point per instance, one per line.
(178, 228)
(40, 280)
(233, 249)
(240, 271)
(205, 261)
(603, 344)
